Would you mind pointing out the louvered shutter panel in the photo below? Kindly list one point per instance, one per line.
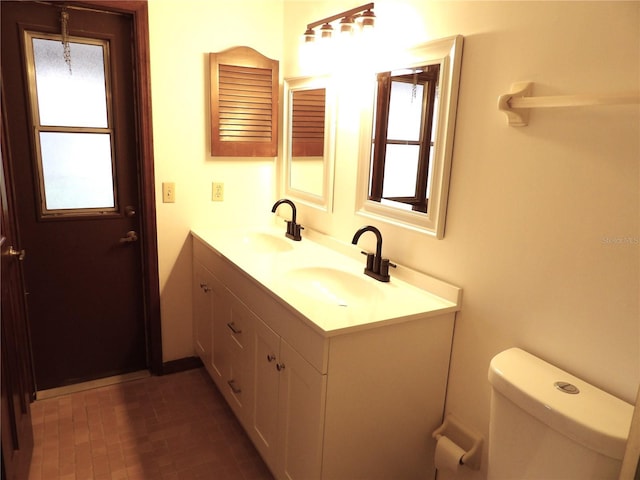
(307, 123)
(244, 103)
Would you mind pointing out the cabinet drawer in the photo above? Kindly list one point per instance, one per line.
(240, 325)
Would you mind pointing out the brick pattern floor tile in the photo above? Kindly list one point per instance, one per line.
(173, 427)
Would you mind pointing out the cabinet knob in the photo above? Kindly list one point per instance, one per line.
(280, 366)
(205, 287)
(271, 357)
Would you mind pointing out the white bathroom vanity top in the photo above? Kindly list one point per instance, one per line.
(327, 287)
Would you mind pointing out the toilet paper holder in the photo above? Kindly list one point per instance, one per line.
(469, 440)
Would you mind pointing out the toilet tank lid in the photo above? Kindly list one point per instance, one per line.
(593, 418)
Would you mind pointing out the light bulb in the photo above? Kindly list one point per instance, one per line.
(367, 20)
(309, 35)
(346, 26)
(326, 31)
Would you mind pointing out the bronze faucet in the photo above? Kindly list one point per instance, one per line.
(377, 267)
(293, 229)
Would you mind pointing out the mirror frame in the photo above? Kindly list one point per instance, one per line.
(448, 53)
(324, 201)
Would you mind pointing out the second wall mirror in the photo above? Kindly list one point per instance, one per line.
(309, 124)
(407, 138)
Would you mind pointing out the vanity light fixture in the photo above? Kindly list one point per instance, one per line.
(309, 35)
(367, 19)
(347, 26)
(357, 18)
(326, 31)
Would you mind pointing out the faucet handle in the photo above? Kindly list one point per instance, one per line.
(293, 230)
(296, 231)
(369, 260)
(384, 267)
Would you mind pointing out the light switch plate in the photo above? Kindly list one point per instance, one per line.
(168, 192)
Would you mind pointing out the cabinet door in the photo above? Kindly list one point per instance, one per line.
(202, 312)
(239, 333)
(220, 316)
(264, 429)
(300, 416)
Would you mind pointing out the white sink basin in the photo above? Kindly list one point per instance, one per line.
(332, 286)
(261, 242)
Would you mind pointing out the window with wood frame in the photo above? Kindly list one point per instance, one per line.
(244, 103)
(402, 137)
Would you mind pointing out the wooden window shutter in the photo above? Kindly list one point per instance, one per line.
(244, 103)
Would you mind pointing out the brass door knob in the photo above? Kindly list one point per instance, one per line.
(17, 253)
(130, 237)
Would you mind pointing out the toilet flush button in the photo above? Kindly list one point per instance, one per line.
(567, 387)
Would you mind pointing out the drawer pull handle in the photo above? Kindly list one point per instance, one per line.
(271, 357)
(233, 328)
(280, 366)
(235, 389)
(204, 287)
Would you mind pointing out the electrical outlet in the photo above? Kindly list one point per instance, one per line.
(168, 192)
(217, 192)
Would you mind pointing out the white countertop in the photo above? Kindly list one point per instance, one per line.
(329, 289)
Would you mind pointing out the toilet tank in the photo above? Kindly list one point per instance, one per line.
(548, 424)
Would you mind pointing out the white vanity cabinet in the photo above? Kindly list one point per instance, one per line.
(289, 408)
(238, 326)
(202, 319)
(223, 334)
(352, 402)
(264, 430)
(276, 394)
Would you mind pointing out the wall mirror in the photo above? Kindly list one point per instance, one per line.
(407, 138)
(309, 123)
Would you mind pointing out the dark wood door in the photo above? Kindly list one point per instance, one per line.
(16, 376)
(83, 269)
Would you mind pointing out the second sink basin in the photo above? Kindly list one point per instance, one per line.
(333, 286)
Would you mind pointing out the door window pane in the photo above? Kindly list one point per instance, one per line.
(72, 125)
(70, 98)
(76, 170)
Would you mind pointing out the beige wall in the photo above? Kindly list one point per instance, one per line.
(182, 33)
(543, 227)
(543, 221)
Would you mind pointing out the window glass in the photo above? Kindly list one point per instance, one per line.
(76, 170)
(405, 111)
(400, 170)
(72, 125)
(75, 97)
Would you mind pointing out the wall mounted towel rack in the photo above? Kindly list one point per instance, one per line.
(517, 103)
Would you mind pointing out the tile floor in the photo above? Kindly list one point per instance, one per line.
(159, 428)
